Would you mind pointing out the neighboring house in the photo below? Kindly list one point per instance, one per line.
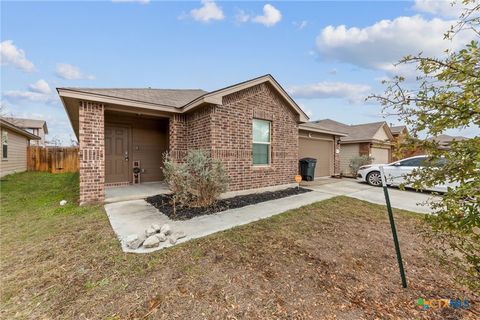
(370, 139)
(252, 127)
(316, 141)
(36, 127)
(15, 141)
(399, 134)
(444, 140)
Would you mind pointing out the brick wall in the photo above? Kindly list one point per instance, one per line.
(91, 152)
(226, 132)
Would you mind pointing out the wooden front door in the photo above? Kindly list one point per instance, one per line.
(117, 153)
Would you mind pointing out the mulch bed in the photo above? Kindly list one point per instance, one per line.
(163, 203)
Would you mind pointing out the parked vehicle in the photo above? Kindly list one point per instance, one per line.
(396, 172)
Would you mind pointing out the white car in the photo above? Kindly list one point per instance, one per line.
(396, 172)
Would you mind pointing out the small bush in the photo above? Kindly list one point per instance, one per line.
(358, 161)
(197, 182)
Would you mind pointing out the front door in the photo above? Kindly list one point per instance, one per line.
(117, 149)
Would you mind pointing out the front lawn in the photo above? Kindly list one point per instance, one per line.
(330, 260)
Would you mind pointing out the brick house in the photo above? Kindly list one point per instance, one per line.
(367, 139)
(252, 127)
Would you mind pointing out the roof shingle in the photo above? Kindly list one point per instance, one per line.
(169, 97)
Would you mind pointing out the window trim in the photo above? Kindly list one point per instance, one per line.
(264, 143)
(4, 143)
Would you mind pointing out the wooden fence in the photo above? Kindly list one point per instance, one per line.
(53, 159)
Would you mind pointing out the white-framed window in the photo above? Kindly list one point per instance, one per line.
(4, 144)
(262, 137)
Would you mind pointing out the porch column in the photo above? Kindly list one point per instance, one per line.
(91, 152)
(177, 137)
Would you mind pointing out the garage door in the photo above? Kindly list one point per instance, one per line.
(380, 155)
(319, 149)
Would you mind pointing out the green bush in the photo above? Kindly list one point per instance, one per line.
(198, 181)
(358, 161)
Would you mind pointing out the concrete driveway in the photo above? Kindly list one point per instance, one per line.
(407, 200)
(134, 216)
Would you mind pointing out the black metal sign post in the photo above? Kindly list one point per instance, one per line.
(392, 225)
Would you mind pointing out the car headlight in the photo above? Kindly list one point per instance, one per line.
(364, 167)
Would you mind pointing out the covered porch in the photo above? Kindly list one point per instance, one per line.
(135, 191)
(134, 142)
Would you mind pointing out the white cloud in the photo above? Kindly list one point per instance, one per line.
(10, 54)
(300, 24)
(271, 16)
(209, 11)
(15, 95)
(137, 1)
(380, 45)
(37, 92)
(323, 90)
(241, 16)
(442, 8)
(41, 86)
(70, 72)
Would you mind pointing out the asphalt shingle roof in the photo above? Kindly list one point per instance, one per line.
(397, 129)
(28, 123)
(169, 97)
(359, 132)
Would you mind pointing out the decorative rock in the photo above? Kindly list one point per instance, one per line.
(151, 242)
(161, 237)
(150, 232)
(63, 202)
(166, 230)
(134, 241)
(156, 227)
(175, 236)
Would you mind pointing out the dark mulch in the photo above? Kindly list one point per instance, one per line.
(163, 202)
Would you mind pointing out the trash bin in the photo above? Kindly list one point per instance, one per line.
(307, 168)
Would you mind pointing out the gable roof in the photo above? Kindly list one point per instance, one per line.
(332, 125)
(445, 139)
(315, 127)
(356, 133)
(397, 129)
(172, 100)
(167, 97)
(28, 123)
(7, 124)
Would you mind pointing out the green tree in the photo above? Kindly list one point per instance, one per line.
(446, 95)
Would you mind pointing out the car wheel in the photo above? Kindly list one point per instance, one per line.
(374, 179)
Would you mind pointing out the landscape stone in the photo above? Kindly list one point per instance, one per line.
(150, 231)
(156, 227)
(175, 236)
(166, 230)
(134, 241)
(151, 242)
(161, 237)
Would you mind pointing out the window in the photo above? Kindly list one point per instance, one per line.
(261, 142)
(416, 162)
(4, 144)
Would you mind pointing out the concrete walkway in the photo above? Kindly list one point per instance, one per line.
(133, 217)
(135, 191)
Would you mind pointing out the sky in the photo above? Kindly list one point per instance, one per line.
(329, 55)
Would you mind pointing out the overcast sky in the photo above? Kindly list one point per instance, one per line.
(328, 55)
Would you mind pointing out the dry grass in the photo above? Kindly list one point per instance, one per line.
(330, 260)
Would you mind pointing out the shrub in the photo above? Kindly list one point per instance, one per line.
(358, 161)
(198, 181)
